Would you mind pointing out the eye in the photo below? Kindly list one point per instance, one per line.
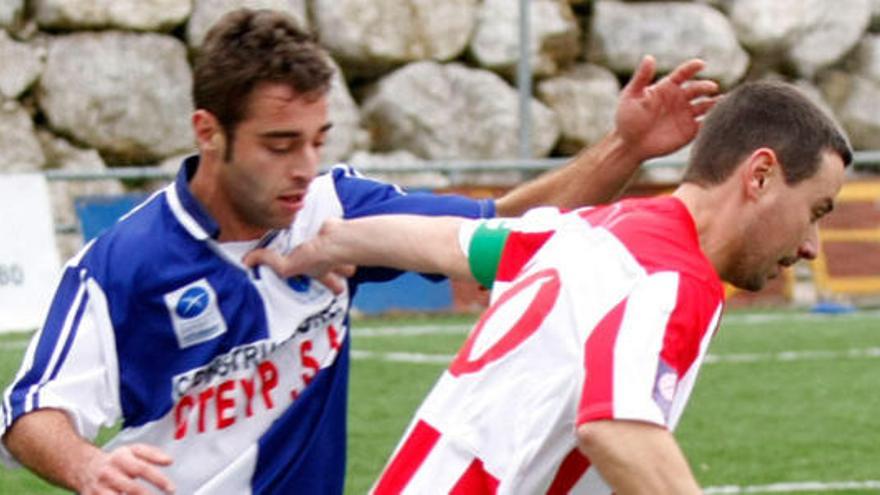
(818, 213)
(280, 146)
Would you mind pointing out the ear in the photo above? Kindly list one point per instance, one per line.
(210, 137)
(759, 171)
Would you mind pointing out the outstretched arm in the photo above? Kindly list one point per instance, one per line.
(636, 457)
(45, 442)
(406, 242)
(652, 120)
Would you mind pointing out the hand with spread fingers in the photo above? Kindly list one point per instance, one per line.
(652, 120)
(660, 118)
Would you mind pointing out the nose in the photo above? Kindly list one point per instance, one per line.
(809, 249)
(304, 165)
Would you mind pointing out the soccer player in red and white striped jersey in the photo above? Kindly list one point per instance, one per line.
(574, 378)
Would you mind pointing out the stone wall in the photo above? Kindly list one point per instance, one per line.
(89, 83)
(433, 79)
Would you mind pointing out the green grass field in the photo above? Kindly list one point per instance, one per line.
(786, 399)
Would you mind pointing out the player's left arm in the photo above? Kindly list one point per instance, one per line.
(637, 457)
(652, 120)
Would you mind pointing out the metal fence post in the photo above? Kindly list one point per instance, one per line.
(524, 82)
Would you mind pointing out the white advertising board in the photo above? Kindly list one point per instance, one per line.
(29, 264)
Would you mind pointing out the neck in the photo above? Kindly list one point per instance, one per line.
(718, 219)
(208, 190)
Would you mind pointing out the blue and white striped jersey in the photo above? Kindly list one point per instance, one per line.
(237, 374)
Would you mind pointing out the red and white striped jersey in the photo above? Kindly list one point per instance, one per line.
(599, 313)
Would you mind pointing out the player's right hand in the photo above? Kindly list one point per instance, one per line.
(124, 470)
(310, 258)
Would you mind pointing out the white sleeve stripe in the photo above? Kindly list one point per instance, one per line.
(638, 346)
(687, 382)
(29, 365)
(68, 334)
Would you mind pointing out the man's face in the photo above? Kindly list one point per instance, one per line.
(785, 228)
(275, 155)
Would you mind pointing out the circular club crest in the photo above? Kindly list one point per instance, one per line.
(192, 303)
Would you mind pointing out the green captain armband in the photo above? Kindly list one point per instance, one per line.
(484, 253)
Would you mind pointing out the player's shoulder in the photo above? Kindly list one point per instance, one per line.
(139, 237)
(659, 232)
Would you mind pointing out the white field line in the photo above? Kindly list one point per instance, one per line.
(410, 330)
(786, 356)
(402, 357)
(747, 318)
(795, 487)
(742, 318)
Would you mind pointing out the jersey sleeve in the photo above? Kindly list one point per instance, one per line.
(482, 242)
(642, 358)
(497, 249)
(70, 363)
(361, 196)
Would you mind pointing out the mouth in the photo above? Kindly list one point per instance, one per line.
(291, 202)
(788, 261)
(781, 265)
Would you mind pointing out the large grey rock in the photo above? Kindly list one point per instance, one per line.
(127, 95)
(368, 36)
(622, 33)
(346, 119)
(854, 94)
(554, 36)
(856, 103)
(11, 12)
(585, 101)
(812, 34)
(865, 59)
(207, 12)
(152, 15)
(452, 112)
(764, 26)
(19, 148)
(21, 65)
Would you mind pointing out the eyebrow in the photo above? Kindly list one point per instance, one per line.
(293, 134)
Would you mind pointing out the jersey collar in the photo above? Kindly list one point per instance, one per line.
(191, 214)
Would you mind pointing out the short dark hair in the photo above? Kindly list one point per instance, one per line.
(248, 47)
(767, 114)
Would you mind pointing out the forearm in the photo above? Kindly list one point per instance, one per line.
(45, 442)
(406, 242)
(596, 175)
(637, 458)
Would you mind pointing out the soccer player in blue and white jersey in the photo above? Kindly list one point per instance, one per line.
(228, 379)
(575, 376)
